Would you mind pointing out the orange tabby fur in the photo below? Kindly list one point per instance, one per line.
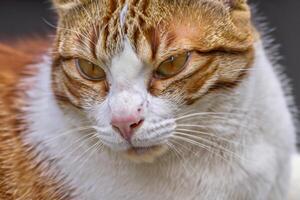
(156, 29)
(20, 177)
(228, 36)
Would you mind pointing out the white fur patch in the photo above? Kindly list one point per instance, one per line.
(295, 183)
(123, 15)
(126, 67)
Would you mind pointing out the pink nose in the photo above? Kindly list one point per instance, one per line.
(127, 125)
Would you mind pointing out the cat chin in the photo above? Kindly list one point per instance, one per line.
(145, 155)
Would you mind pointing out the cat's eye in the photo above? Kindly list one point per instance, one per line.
(172, 66)
(89, 70)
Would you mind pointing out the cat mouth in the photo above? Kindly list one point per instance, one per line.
(142, 150)
(145, 154)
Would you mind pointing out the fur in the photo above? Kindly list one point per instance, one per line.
(219, 129)
(295, 188)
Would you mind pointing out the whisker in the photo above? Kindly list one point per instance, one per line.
(84, 128)
(86, 151)
(191, 125)
(207, 114)
(205, 147)
(180, 157)
(96, 148)
(80, 140)
(215, 145)
(230, 111)
(193, 142)
(237, 164)
(233, 122)
(183, 146)
(209, 134)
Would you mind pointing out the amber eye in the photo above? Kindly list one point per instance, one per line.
(89, 70)
(172, 66)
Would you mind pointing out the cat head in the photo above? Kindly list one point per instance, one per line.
(133, 67)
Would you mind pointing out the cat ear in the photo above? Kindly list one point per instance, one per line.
(64, 5)
(240, 14)
(61, 5)
(235, 4)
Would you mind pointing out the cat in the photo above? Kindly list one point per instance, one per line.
(146, 99)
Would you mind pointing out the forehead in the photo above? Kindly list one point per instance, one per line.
(153, 27)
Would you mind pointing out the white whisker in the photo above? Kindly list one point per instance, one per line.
(208, 134)
(206, 114)
(181, 158)
(205, 147)
(97, 147)
(84, 128)
(215, 145)
(86, 151)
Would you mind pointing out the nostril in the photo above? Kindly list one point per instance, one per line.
(136, 125)
(126, 126)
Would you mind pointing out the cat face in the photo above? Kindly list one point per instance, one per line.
(132, 67)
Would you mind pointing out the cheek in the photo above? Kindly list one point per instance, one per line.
(100, 113)
(161, 108)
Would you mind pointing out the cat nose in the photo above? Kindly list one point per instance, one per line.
(127, 125)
